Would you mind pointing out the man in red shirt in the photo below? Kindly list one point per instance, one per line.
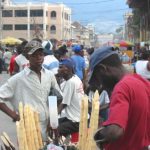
(128, 124)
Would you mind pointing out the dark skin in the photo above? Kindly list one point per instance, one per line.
(36, 60)
(65, 73)
(108, 76)
(148, 65)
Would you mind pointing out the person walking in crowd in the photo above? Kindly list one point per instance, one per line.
(12, 62)
(50, 61)
(72, 89)
(1, 61)
(127, 126)
(61, 53)
(79, 62)
(142, 67)
(7, 56)
(30, 86)
(21, 60)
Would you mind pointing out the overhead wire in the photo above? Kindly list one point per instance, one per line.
(88, 3)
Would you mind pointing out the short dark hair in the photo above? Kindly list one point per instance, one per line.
(113, 61)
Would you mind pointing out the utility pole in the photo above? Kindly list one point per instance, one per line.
(1, 23)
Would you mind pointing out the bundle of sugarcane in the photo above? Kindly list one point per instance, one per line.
(8, 145)
(86, 140)
(28, 129)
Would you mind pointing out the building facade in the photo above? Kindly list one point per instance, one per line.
(143, 7)
(44, 21)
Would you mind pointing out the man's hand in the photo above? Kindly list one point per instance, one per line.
(15, 116)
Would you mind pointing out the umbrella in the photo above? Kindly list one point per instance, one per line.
(10, 41)
(125, 43)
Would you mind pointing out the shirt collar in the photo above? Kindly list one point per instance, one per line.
(28, 70)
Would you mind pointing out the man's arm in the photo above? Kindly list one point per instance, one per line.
(16, 68)
(61, 107)
(9, 112)
(103, 107)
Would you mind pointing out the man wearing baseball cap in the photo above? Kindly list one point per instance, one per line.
(72, 89)
(127, 127)
(30, 86)
(50, 61)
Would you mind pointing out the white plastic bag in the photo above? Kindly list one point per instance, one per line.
(53, 111)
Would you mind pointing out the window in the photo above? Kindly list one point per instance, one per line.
(66, 16)
(53, 14)
(20, 13)
(7, 27)
(36, 26)
(36, 13)
(20, 27)
(53, 29)
(7, 13)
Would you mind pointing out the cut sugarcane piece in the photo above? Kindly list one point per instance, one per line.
(38, 129)
(20, 136)
(27, 126)
(5, 142)
(35, 136)
(31, 128)
(83, 128)
(8, 140)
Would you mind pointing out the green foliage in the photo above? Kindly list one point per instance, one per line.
(136, 22)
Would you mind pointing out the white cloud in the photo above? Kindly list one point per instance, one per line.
(106, 26)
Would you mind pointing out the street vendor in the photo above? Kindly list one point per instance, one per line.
(127, 127)
(30, 86)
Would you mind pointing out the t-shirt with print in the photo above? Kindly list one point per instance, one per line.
(130, 109)
(73, 93)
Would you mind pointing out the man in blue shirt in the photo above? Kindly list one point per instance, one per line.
(79, 61)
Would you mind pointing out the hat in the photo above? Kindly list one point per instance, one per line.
(98, 56)
(77, 48)
(47, 45)
(62, 50)
(33, 46)
(68, 63)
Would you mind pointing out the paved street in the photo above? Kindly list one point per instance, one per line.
(6, 124)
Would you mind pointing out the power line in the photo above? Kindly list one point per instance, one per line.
(88, 3)
(101, 11)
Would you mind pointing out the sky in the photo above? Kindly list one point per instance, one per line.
(104, 15)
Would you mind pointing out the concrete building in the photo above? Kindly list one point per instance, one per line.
(31, 20)
(83, 34)
(105, 39)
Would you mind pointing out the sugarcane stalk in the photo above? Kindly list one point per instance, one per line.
(9, 141)
(38, 129)
(35, 136)
(27, 126)
(31, 128)
(85, 124)
(81, 126)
